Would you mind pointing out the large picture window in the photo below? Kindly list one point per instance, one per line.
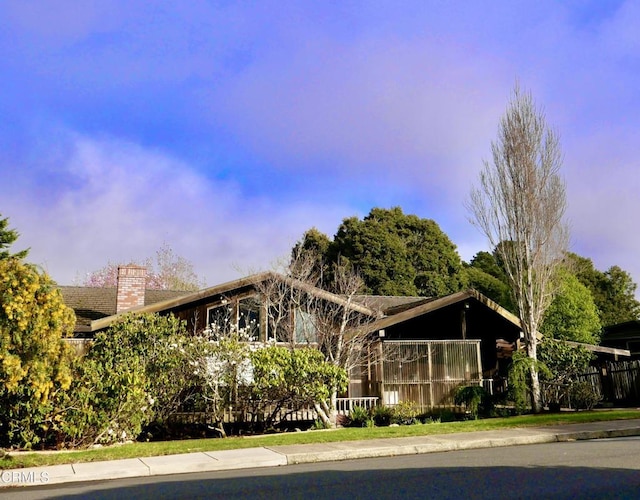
(240, 315)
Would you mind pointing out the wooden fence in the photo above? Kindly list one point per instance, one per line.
(616, 382)
(231, 415)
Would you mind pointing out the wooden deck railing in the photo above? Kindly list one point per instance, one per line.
(345, 405)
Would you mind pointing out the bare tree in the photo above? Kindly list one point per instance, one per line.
(300, 313)
(170, 272)
(519, 205)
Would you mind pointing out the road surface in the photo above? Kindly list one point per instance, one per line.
(608, 468)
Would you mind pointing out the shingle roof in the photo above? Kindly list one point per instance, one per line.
(390, 304)
(90, 303)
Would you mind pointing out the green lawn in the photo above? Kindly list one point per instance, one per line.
(133, 450)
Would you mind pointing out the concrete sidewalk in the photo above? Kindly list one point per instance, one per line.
(323, 452)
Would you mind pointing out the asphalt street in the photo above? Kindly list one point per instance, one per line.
(604, 468)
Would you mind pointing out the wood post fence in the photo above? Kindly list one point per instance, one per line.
(615, 382)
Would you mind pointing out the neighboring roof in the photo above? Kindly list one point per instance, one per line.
(624, 330)
(92, 303)
(230, 288)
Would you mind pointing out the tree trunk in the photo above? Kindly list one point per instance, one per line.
(323, 415)
(536, 400)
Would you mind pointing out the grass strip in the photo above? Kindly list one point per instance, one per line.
(15, 460)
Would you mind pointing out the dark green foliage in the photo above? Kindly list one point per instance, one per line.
(133, 375)
(107, 402)
(359, 417)
(470, 397)
(519, 378)
(490, 287)
(613, 290)
(313, 241)
(572, 314)
(7, 238)
(156, 340)
(488, 263)
(565, 362)
(382, 415)
(394, 253)
(619, 303)
(485, 275)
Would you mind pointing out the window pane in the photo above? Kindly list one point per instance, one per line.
(249, 318)
(219, 319)
(306, 331)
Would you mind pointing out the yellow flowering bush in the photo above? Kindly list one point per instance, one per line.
(35, 361)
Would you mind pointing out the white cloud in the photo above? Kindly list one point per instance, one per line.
(425, 108)
(121, 202)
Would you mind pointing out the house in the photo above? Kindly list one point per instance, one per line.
(415, 348)
(431, 346)
(461, 338)
(623, 336)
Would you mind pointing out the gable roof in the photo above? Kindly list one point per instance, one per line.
(417, 308)
(231, 288)
(428, 305)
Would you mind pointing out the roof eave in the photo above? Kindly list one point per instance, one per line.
(254, 279)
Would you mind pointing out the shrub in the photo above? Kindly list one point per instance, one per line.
(583, 395)
(293, 379)
(34, 359)
(520, 380)
(444, 416)
(471, 397)
(320, 425)
(359, 417)
(405, 413)
(107, 403)
(382, 415)
(135, 374)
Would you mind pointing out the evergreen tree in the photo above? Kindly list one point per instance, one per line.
(613, 290)
(485, 275)
(7, 238)
(394, 253)
(572, 314)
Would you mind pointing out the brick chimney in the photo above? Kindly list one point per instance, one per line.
(131, 287)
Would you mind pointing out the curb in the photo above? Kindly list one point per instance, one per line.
(444, 445)
(250, 458)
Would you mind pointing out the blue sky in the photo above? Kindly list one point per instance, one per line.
(226, 129)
